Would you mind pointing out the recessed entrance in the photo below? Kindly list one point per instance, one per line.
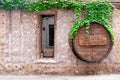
(47, 36)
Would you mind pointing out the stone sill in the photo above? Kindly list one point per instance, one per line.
(45, 60)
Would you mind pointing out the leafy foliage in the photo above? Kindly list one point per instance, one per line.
(96, 11)
(99, 11)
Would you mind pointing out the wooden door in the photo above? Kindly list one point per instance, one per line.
(47, 36)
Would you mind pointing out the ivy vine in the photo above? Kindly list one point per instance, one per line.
(99, 11)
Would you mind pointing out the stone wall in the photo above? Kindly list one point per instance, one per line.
(20, 36)
(20, 39)
(21, 33)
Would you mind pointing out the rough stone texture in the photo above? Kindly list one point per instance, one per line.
(2, 33)
(63, 53)
(21, 37)
(114, 56)
(36, 69)
(19, 46)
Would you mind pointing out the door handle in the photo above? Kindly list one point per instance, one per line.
(43, 28)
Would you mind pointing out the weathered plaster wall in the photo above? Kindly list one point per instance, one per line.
(114, 56)
(2, 34)
(65, 20)
(19, 46)
(22, 36)
(21, 33)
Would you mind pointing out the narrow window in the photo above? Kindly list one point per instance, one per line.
(51, 35)
(47, 36)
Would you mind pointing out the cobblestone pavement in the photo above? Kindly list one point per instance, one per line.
(48, 77)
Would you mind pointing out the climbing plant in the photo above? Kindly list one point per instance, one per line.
(96, 11)
(99, 11)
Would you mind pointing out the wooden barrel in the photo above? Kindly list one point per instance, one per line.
(92, 47)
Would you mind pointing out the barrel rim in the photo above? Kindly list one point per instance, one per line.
(97, 61)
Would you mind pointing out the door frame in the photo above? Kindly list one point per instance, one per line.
(40, 40)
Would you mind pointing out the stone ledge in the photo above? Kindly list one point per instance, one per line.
(44, 60)
(37, 69)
